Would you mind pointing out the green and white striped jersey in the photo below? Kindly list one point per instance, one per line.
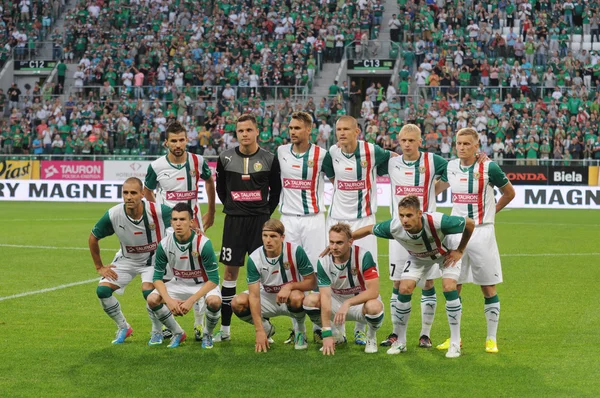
(347, 279)
(138, 238)
(414, 178)
(176, 183)
(273, 273)
(301, 180)
(473, 189)
(429, 242)
(192, 262)
(355, 185)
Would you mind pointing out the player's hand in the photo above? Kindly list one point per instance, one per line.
(482, 157)
(262, 342)
(284, 295)
(340, 315)
(393, 154)
(329, 346)
(208, 220)
(173, 306)
(325, 252)
(107, 272)
(452, 258)
(186, 306)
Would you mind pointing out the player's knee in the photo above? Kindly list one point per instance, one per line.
(313, 300)
(213, 302)
(449, 285)
(240, 303)
(406, 289)
(296, 299)
(153, 300)
(373, 307)
(396, 284)
(231, 273)
(429, 284)
(146, 293)
(488, 291)
(104, 292)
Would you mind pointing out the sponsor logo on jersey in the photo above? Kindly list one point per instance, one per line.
(352, 185)
(350, 290)
(273, 289)
(424, 254)
(292, 183)
(465, 198)
(258, 166)
(404, 190)
(187, 274)
(182, 195)
(246, 196)
(150, 247)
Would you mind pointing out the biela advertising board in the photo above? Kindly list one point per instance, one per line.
(527, 196)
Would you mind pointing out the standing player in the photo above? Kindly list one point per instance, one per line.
(139, 225)
(472, 185)
(348, 289)
(175, 178)
(248, 185)
(422, 236)
(412, 173)
(278, 275)
(301, 207)
(192, 260)
(351, 166)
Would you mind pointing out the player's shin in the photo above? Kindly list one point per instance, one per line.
(299, 316)
(227, 292)
(454, 313)
(428, 306)
(212, 318)
(403, 309)
(314, 314)
(166, 318)
(374, 322)
(492, 315)
(393, 305)
(111, 306)
(198, 314)
(156, 324)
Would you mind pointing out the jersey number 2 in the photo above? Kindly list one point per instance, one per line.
(226, 254)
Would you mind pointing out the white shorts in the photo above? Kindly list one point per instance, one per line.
(269, 307)
(369, 242)
(308, 232)
(355, 313)
(419, 270)
(181, 291)
(398, 256)
(126, 270)
(481, 261)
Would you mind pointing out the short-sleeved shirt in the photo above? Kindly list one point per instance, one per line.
(348, 279)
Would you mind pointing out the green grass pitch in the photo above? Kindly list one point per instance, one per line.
(58, 343)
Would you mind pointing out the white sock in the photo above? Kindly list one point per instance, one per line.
(167, 319)
(360, 327)
(375, 322)
(113, 309)
(428, 306)
(492, 315)
(393, 305)
(454, 313)
(198, 314)
(212, 319)
(403, 308)
(156, 324)
(295, 324)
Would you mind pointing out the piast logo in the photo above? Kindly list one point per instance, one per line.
(13, 170)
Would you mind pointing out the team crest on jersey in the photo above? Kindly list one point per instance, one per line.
(195, 253)
(310, 163)
(193, 173)
(152, 226)
(257, 166)
(422, 170)
(353, 271)
(476, 175)
(364, 164)
(286, 265)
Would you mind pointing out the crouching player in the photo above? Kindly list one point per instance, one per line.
(422, 235)
(278, 275)
(192, 260)
(348, 289)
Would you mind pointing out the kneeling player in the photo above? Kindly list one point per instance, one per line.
(422, 234)
(192, 260)
(278, 275)
(348, 289)
(139, 225)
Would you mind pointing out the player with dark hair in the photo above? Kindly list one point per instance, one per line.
(249, 186)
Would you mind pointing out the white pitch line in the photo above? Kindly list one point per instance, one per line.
(50, 289)
(52, 247)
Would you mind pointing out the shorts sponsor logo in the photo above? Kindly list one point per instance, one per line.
(403, 190)
(350, 290)
(424, 254)
(292, 183)
(187, 274)
(150, 247)
(465, 198)
(246, 196)
(183, 195)
(273, 289)
(352, 185)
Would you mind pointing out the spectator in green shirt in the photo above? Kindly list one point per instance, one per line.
(532, 150)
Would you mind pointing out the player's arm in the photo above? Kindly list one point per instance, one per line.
(209, 261)
(253, 279)
(150, 184)
(371, 277)
(327, 167)
(308, 282)
(102, 229)
(499, 179)
(221, 186)
(455, 225)
(380, 230)
(325, 298)
(160, 267)
(208, 218)
(274, 185)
